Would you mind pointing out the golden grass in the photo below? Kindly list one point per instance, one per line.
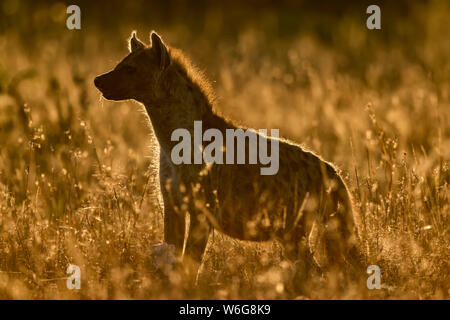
(77, 175)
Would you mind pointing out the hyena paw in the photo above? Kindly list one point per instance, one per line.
(163, 257)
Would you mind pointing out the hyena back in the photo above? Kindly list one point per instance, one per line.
(306, 205)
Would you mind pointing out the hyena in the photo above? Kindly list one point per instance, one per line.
(306, 205)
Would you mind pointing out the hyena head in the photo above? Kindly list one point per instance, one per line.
(137, 73)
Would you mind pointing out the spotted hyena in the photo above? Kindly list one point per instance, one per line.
(305, 205)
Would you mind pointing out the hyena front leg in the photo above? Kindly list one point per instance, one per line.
(174, 222)
(168, 254)
(174, 228)
(196, 242)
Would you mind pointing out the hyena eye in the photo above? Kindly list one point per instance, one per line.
(129, 69)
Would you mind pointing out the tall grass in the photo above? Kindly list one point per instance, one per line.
(78, 178)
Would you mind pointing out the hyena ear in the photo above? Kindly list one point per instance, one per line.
(135, 43)
(161, 50)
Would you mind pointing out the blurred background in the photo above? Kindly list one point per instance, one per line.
(78, 174)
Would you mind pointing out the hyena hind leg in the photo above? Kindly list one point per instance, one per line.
(341, 261)
(306, 271)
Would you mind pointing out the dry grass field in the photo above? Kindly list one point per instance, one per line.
(78, 182)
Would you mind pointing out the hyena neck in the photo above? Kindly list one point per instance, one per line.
(181, 100)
